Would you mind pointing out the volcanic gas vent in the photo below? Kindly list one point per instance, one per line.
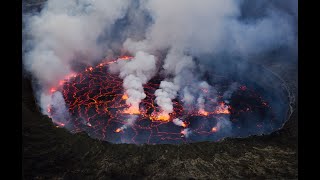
(96, 102)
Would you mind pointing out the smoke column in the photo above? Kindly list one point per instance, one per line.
(186, 132)
(164, 96)
(130, 121)
(177, 122)
(135, 73)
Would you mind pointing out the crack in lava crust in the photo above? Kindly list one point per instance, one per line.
(96, 102)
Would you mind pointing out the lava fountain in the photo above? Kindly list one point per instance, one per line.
(96, 103)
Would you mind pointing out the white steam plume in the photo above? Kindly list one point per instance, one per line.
(204, 90)
(212, 27)
(233, 87)
(186, 132)
(164, 95)
(200, 102)
(224, 126)
(193, 28)
(187, 97)
(175, 64)
(135, 73)
(178, 122)
(65, 32)
(57, 104)
(130, 122)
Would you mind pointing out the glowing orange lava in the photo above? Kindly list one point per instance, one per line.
(203, 112)
(118, 130)
(73, 75)
(125, 97)
(184, 125)
(97, 103)
(214, 129)
(125, 57)
(222, 109)
(160, 117)
(61, 82)
(66, 78)
(52, 90)
(131, 110)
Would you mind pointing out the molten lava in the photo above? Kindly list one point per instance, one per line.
(214, 129)
(97, 105)
(52, 90)
(203, 112)
(184, 125)
(160, 117)
(118, 130)
(131, 110)
(126, 57)
(222, 109)
(125, 97)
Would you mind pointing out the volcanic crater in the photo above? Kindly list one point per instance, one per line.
(96, 103)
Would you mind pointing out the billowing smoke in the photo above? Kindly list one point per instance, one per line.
(209, 27)
(214, 27)
(227, 94)
(224, 126)
(204, 90)
(130, 121)
(186, 132)
(56, 106)
(188, 98)
(178, 122)
(179, 66)
(68, 33)
(200, 102)
(164, 95)
(135, 73)
(64, 33)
